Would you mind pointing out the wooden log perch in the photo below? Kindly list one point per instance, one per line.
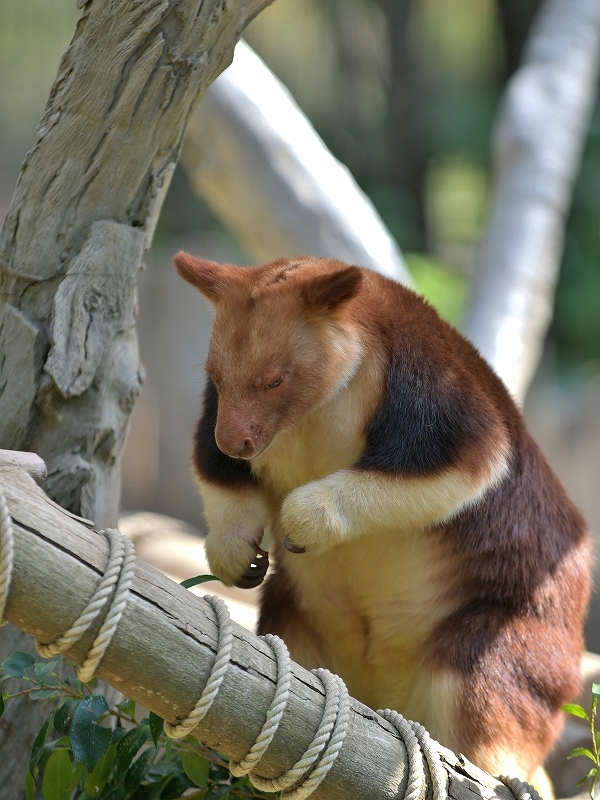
(164, 648)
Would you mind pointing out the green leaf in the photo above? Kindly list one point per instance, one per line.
(1, 703)
(89, 741)
(64, 714)
(127, 747)
(45, 756)
(591, 774)
(76, 685)
(156, 727)
(118, 733)
(582, 751)
(218, 792)
(98, 778)
(139, 768)
(29, 787)
(196, 768)
(79, 771)
(62, 742)
(127, 707)
(39, 744)
(575, 710)
(45, 669)
(43, 694)
(189, 582)
(116, 794)
(152, 791)
(56, 784)
(17, 663)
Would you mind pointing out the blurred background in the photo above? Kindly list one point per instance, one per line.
(404, 93)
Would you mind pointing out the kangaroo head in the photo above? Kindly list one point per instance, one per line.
(283, 342)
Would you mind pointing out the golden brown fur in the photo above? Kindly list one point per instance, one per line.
(424, 550)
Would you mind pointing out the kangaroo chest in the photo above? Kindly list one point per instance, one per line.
(373, 603)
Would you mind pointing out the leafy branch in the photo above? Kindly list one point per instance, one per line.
(86, 749)
(578, 711)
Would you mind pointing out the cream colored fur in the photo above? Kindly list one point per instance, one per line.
(236, 521)
(353, 503)
(369, 610)
(498, 761)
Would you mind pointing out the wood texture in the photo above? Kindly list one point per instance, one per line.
(83, 210)
(30, 462)
(165, 645)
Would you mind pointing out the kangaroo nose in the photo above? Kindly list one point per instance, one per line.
(247, 449)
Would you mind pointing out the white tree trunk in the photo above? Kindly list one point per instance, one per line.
(539, 137)
(257, 160)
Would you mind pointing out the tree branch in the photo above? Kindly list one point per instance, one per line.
(539, 137)
(257, 160)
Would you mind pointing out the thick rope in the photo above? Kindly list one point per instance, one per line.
(6, 554)
(118, 573)
(115, 612)
(420, 748)
(216, 676)
(415, 768)
(520, 789)
(104, 589)
(275, 712)
(328, 740)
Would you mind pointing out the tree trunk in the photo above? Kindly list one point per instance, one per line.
(539, 137)
(83, 211)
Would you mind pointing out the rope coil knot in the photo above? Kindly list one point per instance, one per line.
(113, 588)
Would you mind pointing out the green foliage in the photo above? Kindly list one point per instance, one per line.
(593, 754)
(444, 289)
(187, 584)
(85, 749)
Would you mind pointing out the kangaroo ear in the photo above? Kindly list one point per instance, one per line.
(332, 289)
(209, 277)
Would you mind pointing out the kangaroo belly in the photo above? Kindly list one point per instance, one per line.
(372, 605)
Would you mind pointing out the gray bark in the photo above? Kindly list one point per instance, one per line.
(538, 141)
(257, 160)
(165, 645)
(83, 211)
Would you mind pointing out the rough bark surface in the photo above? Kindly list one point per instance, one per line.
(257, 160)
(84, 208)
(165, 645)
(538, 141)
(83, 211)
